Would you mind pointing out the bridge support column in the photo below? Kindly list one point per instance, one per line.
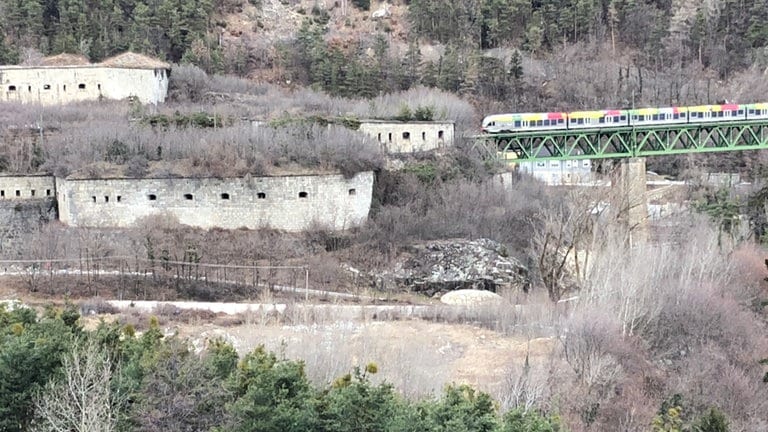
(633, 202)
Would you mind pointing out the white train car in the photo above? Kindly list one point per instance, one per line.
(597, 119)
(506, 123)
(658, 116)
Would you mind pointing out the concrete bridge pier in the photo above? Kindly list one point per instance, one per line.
(633, 207)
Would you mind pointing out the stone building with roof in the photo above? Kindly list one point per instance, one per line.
(67, 78)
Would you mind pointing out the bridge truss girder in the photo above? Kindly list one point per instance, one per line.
(627, 142)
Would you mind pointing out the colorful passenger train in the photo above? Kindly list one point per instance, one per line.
(525, 122)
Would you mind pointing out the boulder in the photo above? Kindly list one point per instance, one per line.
(441, 266)
(470, 297)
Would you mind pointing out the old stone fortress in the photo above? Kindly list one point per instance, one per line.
(291, 203)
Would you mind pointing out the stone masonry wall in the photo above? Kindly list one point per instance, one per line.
(409, 137)
(291, 203)
(27, 187)
(26, 203)
(49, 85)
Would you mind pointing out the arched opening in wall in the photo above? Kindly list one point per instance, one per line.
(188, 197)
(81, 86)
(390, 137)
(225, 196)
(406, 135)
(93, 198)
(152, 197)
(303, 194)
(119, 198)
(2, 194)
(47, 192)
(352, 192)
(29, 88)
(440, 134)
(18, 193)
(261, 195)
(423, 136)
(32, 192)
(11, 88)
(65, 87)
(379, 136)
(106, 199)
(46, 86)
(98, 86)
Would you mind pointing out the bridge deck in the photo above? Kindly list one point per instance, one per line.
(627, 142)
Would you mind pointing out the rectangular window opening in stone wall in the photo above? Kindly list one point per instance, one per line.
(261, 195)
(303, 194)
(352, 192)
(81, 86)
(225, 196)
(423, 136)
(152, 197)
(2, 194)
(32, 192)
(29, 88)
(11, 88)
(47, 192)
(93, 198)
(46, 86)
(188, 197)
(98, 86)
(440, 134)
(106, 199)
(65, 87)
(18, 193)
(390, 137)
(119, 198)
(406, 135)
(379, 136)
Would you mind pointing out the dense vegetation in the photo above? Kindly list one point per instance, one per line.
(56, 376)
(498, 51)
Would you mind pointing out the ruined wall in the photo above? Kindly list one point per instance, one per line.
(409, 137)
(52, 85)
(291, 203)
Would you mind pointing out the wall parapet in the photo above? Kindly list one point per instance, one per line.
(27, 187)
(290, 203)
(409, 136)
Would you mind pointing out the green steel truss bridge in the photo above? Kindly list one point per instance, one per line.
(626, 142)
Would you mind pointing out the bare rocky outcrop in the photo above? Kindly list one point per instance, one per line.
(437, 267)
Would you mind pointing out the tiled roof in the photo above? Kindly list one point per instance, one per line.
(134, 61)
(65, 59)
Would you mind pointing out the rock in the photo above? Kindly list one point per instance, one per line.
(470, 297)
(447, 265)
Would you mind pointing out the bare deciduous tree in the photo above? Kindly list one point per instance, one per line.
(81, 400)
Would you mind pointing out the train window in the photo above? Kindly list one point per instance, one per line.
(641, 118)
(539, 123)
(602, 120)
(741, 112)
(580, 121)
(517, 123)
(560, 121)
(615, 119)
(546, 122)
(751, 111)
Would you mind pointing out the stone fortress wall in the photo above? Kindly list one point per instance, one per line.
(290, 203)
(26, 203)
(27, 187)
(409, 137)
(52, 83)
